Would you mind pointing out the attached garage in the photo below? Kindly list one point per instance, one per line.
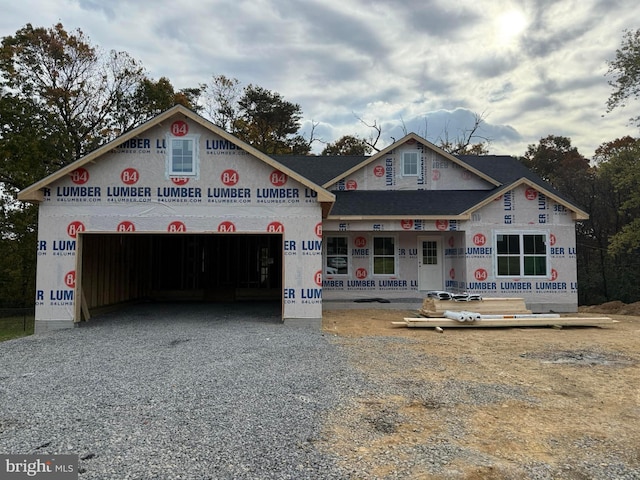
(177, 210)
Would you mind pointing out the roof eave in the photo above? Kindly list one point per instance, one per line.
(463, 216)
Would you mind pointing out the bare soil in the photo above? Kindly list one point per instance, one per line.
(564, 403)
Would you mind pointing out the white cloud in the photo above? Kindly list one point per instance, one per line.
(533, 67)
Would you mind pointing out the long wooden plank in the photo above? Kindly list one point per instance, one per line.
(508, 322)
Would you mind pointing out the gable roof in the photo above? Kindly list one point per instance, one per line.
(426, 143)
(505, 172)
(509, 170)
(34, 193)
(429, 204)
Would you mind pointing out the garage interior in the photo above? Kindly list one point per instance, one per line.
(133, 267)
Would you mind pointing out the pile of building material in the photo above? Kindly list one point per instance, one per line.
(508, 321)
(490, 312)
(433, 307)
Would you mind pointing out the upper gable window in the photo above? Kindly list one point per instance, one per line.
(410, 164)
(182, 156)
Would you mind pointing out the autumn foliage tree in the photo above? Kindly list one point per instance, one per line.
(269, 123)
(60, 97)
(625, 70)
(78, 85)
(560, 164)
(348, 145)
(260, 117)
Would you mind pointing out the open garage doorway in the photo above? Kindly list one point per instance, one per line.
(120, 268)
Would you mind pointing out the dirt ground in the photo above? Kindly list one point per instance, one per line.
(566, 400)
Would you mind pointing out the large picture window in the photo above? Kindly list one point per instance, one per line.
(410, 164)
(384, 258)
(182, 156)
(521, 254)
(337, 255)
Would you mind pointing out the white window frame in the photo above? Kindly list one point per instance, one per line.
(405, 163)
(374, 256)
(328, 256)
(195, 170)
(521, 255)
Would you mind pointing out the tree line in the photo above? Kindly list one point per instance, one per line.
(62, 97)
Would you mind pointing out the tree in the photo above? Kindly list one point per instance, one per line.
(269, 123)
(622, 170)
(60, 97)
(625, 68)
(466, 142)
(28, 143)
(221, 101)
(605, 271)
(260, 117)
(348, 145)
(149, 99)
(18, 260)
(80, 87)
(560, 164)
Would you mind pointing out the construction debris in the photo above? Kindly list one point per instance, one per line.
(443, 310)
(533, 321)
(458, 297)
(462, 316)
(433, 307)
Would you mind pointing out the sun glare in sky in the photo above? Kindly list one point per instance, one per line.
(510, 24)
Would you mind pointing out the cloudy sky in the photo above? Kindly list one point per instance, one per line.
(532, 68)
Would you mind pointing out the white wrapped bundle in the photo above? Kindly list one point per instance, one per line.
(473, 316)
(462, 316)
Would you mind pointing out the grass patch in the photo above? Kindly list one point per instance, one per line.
(16, 327)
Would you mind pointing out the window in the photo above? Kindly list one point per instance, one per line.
(521, 255)
(384, 259)
(337, 255)
(410, 164)
(429, 252)
(182, 156)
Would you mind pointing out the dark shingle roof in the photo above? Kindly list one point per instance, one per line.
(507, 170)
(319, 169)
(503, 168)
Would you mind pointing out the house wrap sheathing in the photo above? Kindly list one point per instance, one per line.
(178, 209)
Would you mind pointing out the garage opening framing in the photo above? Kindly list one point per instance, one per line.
(118, 268)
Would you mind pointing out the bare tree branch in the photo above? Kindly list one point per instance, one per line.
(373, 138)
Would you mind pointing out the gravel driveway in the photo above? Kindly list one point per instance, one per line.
(174, 391)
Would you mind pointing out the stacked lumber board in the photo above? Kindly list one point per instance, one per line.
(491, 312)
(534, 321)
(433, 307)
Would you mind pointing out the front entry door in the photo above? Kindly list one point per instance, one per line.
(430, 263)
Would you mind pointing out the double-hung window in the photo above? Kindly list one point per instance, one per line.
(182, 156)
(522, 254)
(410, 164)
(337, 255)
(384, 258)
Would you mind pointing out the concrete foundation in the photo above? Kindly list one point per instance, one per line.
(43, 326)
